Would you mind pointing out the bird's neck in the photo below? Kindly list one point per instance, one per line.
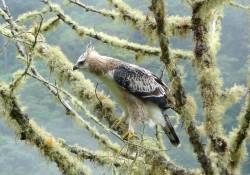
(100, 65)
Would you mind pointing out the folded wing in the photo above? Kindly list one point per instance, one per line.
(141, 83)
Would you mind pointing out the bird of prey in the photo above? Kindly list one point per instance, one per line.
(142, 95)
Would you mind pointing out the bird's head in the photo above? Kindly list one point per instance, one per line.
(83, 60)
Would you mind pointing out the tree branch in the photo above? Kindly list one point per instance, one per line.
(101, 158)
(238, 5)
(159, 12)
(237, 147)
(231, 96)
(206, 26)
(103, 12)
(146, 24)
(78, 119)
(113, 40)
(29, 131)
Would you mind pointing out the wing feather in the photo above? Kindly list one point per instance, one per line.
(141, 83)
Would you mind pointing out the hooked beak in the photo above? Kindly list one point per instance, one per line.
(75, 67)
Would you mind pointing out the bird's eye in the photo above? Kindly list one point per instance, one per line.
(81, 63)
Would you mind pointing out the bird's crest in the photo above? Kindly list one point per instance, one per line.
(89, 48)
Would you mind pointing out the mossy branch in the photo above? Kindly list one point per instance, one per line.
(54, 90)
(29, 131)
(102, 12)
(102, 158)
(176, 25)
(208, 76)
(241, 6)
(157, 8)
(109, 159)
(74, 114)
(57, 60)
(183, 106)
(113, 40)
(81, 87)
(237, 147)
(206, 26)
(31, 15)
(231, 96)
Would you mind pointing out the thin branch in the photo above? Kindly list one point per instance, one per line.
(238, 136)
(97, 94)
(103, 12)
(8, 18)
(38, 31)
(159, 137)
(97, 157)
(231, 96)
(238, 5)
(31, 15)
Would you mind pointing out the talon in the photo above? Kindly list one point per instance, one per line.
(117, 123)
(129, 135)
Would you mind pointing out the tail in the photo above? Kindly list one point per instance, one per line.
(170, 132)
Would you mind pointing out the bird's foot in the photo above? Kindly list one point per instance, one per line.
(117, 123)
(129, 135)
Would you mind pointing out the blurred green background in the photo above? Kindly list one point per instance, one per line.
(17, 158)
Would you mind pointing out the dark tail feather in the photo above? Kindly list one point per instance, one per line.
(170, 132)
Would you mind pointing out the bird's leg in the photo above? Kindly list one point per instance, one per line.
(117, 122)
(130, 134)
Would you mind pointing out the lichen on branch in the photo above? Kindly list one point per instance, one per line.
(238, 136)
(113, 40)
(176, 25)
(29, 131)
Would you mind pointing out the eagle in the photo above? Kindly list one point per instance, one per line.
(142, 95)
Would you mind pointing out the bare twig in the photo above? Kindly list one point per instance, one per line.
(162, 72)
(38, 31)
(97, 94)
(103, 12)
(238, 5)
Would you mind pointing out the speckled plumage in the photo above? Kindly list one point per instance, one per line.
(141, 83)
(142, 95)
